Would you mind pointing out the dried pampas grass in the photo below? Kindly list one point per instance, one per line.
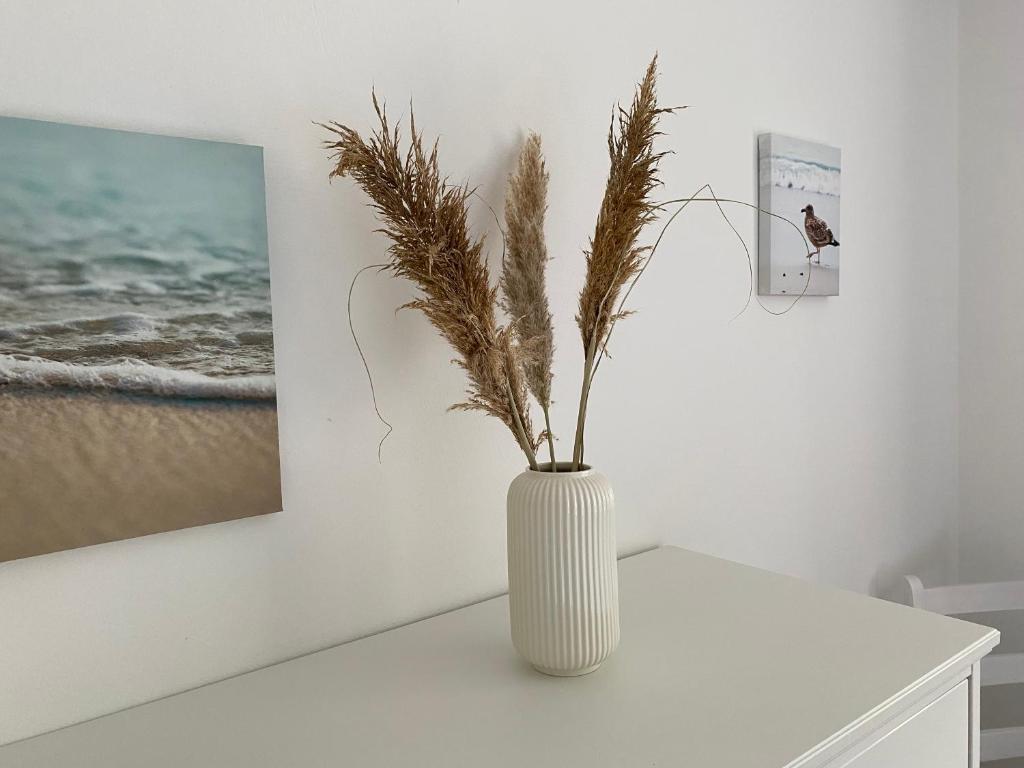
(614, 258)
(523, 275)
(425, 217)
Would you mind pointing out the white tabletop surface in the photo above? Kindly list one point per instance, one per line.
(720, 665)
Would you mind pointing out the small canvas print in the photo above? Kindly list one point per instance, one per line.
(799, 181)
(137, 386)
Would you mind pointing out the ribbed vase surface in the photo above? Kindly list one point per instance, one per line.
(563, 580)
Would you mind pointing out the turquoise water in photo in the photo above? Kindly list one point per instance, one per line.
(133, 262)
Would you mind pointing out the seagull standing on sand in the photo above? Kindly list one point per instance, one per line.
(817, 232)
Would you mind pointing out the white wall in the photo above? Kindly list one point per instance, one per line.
(991, 275)
(822, 443)
(991, 318)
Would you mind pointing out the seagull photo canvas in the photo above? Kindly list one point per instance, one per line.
(136, 351)
(799, 181)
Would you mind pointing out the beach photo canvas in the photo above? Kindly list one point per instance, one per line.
(799, 181)
(136, 349)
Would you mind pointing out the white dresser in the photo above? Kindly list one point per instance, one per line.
(720, 666)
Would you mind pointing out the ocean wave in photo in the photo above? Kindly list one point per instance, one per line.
(803, 175)
(131, 261)
(132, 377)
(129, 323)
(213, 343)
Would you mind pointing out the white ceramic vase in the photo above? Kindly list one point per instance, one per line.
(563, 580)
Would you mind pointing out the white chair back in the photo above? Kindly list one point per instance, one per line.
(997, 669)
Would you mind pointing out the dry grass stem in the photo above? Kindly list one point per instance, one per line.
(523, 274)
(426, 219)
(614, 257)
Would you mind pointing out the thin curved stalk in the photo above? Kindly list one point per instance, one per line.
(685, 201)
(366, 366)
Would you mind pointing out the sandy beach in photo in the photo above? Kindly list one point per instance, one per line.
(79, 468)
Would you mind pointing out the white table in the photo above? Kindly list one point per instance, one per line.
(721, 666)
